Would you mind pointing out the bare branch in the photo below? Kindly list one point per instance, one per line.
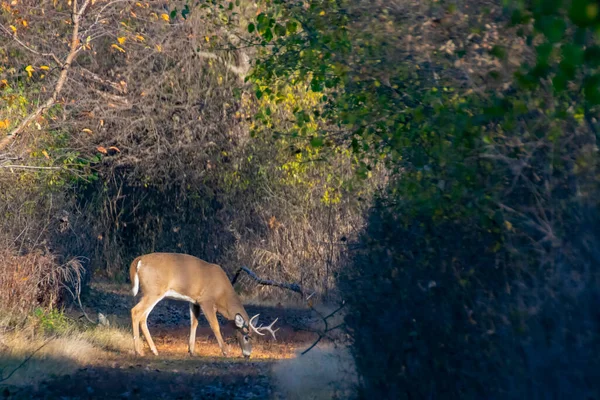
(94, 77)
(16, 166)
(34, 51)
(2, 378)
(74, 50)
(327, 329)
(290, 286)
(239, 71)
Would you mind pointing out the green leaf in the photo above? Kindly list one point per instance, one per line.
(592, 56)
(280, 30)
(583, 12)
(173, 13)
(291, 27)
(316, 142)
(251, 28)
(268, 35)
(552, 27)
(185, 12)
(499, 52)
(591, 88)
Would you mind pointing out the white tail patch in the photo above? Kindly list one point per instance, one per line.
(136, 280)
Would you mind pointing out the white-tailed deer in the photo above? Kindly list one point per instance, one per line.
(205, 286)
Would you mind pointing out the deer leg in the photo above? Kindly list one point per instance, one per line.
(137, 313)
(194, 314)
(211, 316)
(148, 305)
(136, 329)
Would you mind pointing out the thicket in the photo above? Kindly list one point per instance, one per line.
(476, 275)
(148, 148)
(472, 274)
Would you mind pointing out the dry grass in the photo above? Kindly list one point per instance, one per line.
(60, 355)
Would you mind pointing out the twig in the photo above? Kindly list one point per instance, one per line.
(290, 286)
(327, 328)
(2, 379)
(78, 298)
(239, 71)
(74, 50)
(26, 166)
(34, 51)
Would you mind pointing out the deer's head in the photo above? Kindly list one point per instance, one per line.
(244, 330)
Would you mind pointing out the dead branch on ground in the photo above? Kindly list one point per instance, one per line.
(290, 286)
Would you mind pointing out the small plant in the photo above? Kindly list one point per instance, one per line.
(52, 321)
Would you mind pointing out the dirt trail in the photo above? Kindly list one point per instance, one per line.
(174, 374)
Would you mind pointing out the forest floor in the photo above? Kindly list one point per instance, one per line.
(173, 374)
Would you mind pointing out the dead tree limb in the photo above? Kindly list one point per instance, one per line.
(74, 50)
(290, 286)
(327, 329)
(18, 367)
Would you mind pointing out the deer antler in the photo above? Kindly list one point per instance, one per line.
(261, 328)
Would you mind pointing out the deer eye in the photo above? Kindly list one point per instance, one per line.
(246, 338)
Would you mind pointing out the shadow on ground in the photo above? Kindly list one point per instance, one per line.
(174, 374)
(158, 379)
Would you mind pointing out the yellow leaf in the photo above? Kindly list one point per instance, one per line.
(45, 153)
(159, 48)
(24, 23)
(29, 70)
(4, 124)
(114, 148)
(121, 39)
(3, 83)
(114, 46)
(140, 38)
(322, 13)
(207, 38)
(165, 17)
(14, 29)
(44, 67)
(101, 149)
(86, 130)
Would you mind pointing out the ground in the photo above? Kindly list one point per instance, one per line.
(173, 374)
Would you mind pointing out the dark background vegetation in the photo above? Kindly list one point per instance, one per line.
(432, 163)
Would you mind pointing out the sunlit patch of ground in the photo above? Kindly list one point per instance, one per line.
(101, 362)
(174, 343)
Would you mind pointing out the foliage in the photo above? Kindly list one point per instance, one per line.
(51, 321)
(486, 117)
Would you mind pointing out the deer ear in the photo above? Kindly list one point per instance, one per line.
(239, 321)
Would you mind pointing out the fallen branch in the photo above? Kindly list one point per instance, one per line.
(239, 71)
(74, 50)
(16, 166)
(5, 378)
(327, 329)
(290, 286)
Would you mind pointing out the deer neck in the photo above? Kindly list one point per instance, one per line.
(232, 306)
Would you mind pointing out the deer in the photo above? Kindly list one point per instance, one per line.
(204, 285)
